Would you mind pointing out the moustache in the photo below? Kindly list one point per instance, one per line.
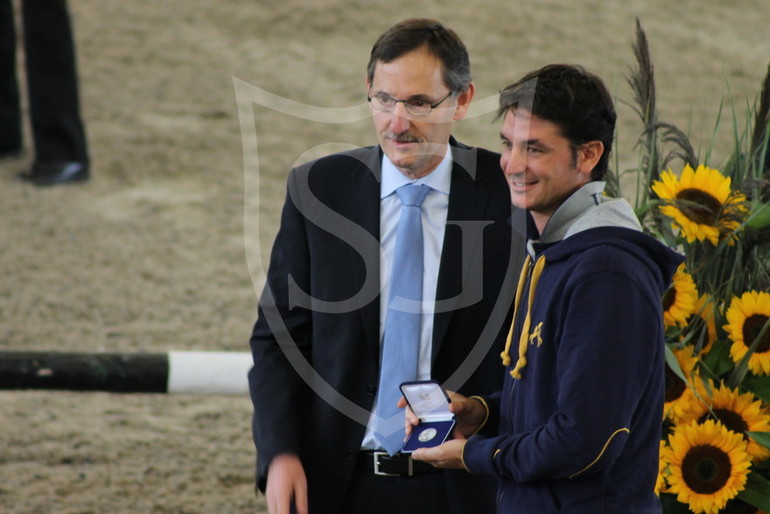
(404, 137)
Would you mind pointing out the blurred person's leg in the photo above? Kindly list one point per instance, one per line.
(57, 129)
(10, 111)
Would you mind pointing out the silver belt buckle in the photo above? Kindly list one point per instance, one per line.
(376, 458)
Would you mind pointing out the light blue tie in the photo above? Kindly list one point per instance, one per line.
(401, 339)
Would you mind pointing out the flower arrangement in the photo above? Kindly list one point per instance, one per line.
(715, 437)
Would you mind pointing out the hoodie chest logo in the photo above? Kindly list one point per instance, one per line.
(534, 336)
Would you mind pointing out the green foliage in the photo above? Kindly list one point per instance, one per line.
(757, 492)
(739, 262)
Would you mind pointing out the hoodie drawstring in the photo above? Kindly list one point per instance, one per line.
(506, 354)
(524, 338)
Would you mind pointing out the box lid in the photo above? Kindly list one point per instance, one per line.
(427, 400)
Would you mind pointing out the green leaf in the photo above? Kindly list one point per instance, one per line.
(674, 364)
(762, 438)
(718, 360)
(757, 491)
(760, 217)
(759, 385)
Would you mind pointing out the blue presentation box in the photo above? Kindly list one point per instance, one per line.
(430, 403)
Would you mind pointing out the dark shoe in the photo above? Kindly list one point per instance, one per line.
(53, 173)
(10, 153)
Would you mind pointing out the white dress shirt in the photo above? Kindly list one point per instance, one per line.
(434, 214)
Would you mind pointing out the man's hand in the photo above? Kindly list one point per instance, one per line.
(448, 455)
(411, 419)
(286, 481)
(470, 414)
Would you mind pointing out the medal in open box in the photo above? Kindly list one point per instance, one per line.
(430, 403)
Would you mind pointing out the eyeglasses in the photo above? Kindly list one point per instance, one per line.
(414, 106)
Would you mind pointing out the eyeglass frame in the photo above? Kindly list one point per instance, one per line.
(406, 104)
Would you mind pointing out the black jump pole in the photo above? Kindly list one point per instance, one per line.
(172, 372)
(114, 372)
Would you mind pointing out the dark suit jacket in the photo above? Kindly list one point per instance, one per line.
(316, 340)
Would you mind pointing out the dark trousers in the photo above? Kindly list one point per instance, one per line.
(373, 494)
(57, 128)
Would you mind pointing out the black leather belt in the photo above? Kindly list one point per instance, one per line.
(399, 465)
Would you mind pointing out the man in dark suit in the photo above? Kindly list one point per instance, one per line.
(317, 343)
(60, 143)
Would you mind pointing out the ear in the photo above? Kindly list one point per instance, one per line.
(588, 155)
(464, 102)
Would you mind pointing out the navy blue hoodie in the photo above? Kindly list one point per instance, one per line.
(581, 407)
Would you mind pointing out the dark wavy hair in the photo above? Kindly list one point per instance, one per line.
(440, 41)
(572, 98)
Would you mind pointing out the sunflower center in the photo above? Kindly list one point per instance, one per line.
(669, 297)
(730, 419)
(675, 386)
(706, 469)
(699, 206)
(751, 329)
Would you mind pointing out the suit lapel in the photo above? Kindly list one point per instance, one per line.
(467, 202)
(367, 193)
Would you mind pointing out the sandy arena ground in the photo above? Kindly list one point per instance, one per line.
(152, 254)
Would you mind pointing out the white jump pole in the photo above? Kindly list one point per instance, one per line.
(208, 372)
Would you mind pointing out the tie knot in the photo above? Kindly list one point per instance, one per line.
(412, 194)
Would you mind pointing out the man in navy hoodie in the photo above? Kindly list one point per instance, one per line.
(576, 427)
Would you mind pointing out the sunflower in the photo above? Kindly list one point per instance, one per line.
(700, 203)
(708, 465)
(746, 317)
(738, 412)
(680, 394)
(679, 300)
(702, 316)
(660, 483)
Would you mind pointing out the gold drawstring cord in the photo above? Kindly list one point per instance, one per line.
(524, 338)
(506, 355)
